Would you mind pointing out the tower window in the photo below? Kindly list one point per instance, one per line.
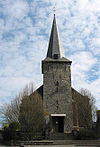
(57, 83)
(55, 56)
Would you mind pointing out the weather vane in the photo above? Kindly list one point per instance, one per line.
(54, 10)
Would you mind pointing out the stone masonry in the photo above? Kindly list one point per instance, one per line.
(57, 94)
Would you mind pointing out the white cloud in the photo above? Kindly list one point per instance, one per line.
(24, 35)
(82, 61)
(16, 9)
(95, 45)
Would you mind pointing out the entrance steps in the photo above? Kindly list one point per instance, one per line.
(85, 143)
(60, 136)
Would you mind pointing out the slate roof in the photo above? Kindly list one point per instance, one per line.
(55, 51)
(63, 59)
(55, 47)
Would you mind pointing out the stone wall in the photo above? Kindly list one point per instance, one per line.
(57, 94)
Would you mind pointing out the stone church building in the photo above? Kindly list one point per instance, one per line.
(60, 100)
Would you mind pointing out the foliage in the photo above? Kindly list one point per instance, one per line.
(85, 113)
(98, 116)
(14, 126)
(9, 131)
(86, 108)
(83, 110)
(24, 116)
(98, 123)
(32, 115)
(10, 112)
(92, 101)
(85, 133)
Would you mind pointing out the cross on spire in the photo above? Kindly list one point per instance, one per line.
(54, 10)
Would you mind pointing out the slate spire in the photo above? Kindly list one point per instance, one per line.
(55, 50)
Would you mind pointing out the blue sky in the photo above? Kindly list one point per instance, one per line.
(25, 27)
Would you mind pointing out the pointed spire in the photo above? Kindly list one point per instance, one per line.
(55, 50)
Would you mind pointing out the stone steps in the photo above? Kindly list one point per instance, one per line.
(94, 143)
(60, 136)
(78, 142)
(42, 142)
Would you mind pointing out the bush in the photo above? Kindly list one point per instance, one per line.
(9, 131)
(86, 133)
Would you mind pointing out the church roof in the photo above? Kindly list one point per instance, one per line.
(63, 59)
(55, 49)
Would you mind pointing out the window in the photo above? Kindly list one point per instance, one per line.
(57, 83)
(55, 56)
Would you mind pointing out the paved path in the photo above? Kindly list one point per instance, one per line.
(59, 146)
(50, 146)
(63, 143)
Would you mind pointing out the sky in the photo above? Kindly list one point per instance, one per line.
(25, 27)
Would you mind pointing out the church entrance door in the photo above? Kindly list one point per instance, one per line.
(58, 124)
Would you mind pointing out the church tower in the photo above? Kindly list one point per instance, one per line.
(57, 92)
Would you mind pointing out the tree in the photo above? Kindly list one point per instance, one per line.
(86, 108)
(28, 90)
(92, 101)
(98, 123)
(9, 113)
(32, 115)
(83, 106)
(25, 113)
(85, 113)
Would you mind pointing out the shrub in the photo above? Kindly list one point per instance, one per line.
(86, 133)
(9, 131)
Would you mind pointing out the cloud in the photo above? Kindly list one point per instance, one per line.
(24, 35)
(82, 72)
(83, 61)
(81, 66)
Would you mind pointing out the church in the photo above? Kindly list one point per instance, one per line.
(61, 101)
